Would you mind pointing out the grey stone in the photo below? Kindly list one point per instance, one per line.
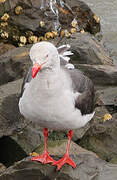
(108, 96)
(100, 74)
(10, 118)
(14, 64)
(87, 50)
(88, 167)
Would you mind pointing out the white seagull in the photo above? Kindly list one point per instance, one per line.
(55, 96)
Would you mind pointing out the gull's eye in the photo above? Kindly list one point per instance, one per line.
(47, 56)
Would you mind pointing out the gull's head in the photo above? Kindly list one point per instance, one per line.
(44, 55)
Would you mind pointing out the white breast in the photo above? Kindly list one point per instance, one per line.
(50, 102)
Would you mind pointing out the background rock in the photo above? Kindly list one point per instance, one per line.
(14, 64)
(108, 96)
(87, 50)
(101, 136)
(100, 74)
(88, 54)
(10, 118)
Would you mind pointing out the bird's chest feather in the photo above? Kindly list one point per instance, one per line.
(48, 99)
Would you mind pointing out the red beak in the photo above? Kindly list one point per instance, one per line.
(36, 68)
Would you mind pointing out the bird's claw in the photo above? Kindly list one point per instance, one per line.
(44, 158)
(65, 160)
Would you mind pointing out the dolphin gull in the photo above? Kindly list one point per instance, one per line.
(55, 96)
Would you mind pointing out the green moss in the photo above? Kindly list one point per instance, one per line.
(50, 144)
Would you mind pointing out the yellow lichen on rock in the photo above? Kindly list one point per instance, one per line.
(49, 35)
(5, 17)
(82, 31)
(29, 33)
(33, 39)
(18, 10)
(42, 24)
(16, 38)
(23, 39)
(55, 33)
(67, 33)
(62, 33)
(74, 23)
(3, 24)
(107, 117)
(97, 19)
(73, 30)
(2, 1)
(21, 44)
(4, 35)
(41, 38)
(34, 154)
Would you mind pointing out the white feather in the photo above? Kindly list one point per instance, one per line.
(67, 53)
(64, 58)
(65, 45)
(69, 66)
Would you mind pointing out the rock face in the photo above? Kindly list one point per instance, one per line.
(14, 64)
(87, 50)
(100, 74)
(88, 168)
(89, 54)
(10, 118)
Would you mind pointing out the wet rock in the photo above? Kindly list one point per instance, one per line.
(32, 15)
(88, 168)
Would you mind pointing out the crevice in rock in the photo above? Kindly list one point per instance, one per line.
(10, 151)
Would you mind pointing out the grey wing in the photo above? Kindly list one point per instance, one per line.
(84, 85)
(27, 79)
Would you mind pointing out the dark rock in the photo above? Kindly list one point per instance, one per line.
(88, 168)
(32, 15)
(10, 151)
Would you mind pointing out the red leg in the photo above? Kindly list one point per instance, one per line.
(44, 158)
(66, 158)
